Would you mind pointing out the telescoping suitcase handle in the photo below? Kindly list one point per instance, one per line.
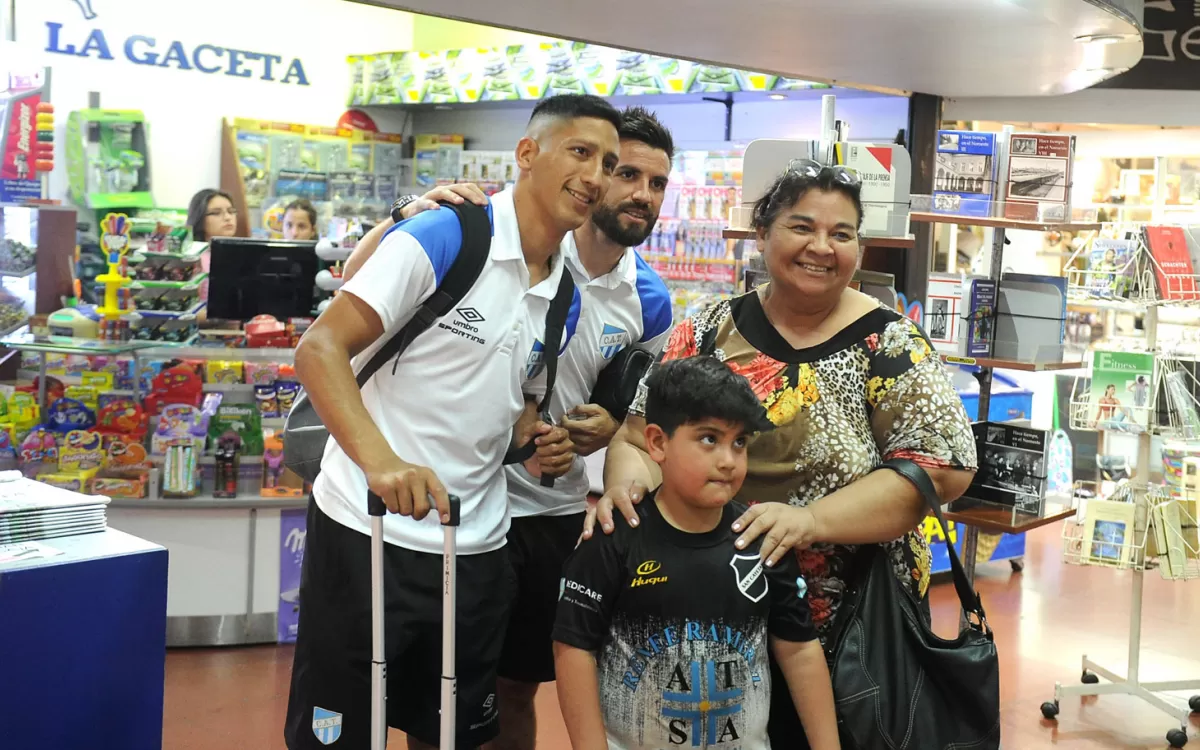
(376, 510)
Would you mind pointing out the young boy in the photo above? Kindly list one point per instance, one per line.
(662, 631)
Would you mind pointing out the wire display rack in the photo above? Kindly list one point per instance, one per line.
(1140, 535)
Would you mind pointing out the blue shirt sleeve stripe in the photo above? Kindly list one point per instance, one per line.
(572, 317)
(439, 234)
(655, 299)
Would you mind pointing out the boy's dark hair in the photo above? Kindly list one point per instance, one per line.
(791, 186)
(575, 106)
(640, 124)
(689, 390)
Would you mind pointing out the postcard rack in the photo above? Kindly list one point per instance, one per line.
(1122, 543)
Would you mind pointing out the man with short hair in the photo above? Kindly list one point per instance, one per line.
(437, 420)
(624, 303)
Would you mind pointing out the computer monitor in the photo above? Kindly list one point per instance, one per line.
(249, 277)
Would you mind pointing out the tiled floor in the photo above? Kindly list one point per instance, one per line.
(1045, 619)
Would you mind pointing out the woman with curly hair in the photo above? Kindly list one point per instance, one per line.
(847, 382)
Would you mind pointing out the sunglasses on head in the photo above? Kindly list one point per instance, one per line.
(813, 169)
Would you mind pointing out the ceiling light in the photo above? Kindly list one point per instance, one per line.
(1100, 38)
(777, 97)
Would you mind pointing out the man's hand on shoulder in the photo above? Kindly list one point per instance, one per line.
(456, 193)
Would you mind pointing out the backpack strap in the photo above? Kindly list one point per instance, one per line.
(556, 323)
(463, 272)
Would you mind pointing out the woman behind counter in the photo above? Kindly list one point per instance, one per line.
(211, 213)
(848, 384)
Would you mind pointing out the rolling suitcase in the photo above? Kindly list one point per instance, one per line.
(376, 509)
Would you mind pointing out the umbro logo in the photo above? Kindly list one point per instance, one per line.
(469, 314)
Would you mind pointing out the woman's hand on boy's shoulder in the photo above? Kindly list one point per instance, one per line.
(786, 527)
(621, 498)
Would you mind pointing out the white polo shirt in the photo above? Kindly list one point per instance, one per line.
(451, 400)
(629, 306)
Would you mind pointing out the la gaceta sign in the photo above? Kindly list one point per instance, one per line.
(206, 58)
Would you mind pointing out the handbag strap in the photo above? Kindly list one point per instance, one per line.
(971, 603)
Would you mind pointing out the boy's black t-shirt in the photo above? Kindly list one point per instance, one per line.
(680, 623)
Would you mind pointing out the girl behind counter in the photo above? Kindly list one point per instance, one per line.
(300, 221)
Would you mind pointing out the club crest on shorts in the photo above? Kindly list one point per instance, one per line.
(748, 571)
(326, 725)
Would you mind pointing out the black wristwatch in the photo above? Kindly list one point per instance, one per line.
(399, 205)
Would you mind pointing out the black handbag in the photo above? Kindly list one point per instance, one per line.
(618, 382)
(897, 685)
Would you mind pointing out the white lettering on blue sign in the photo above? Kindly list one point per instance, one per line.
(206, 58)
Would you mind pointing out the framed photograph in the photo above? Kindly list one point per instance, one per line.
(1108, 533)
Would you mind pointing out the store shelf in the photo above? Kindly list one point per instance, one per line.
(996, 520)
(236, 354)
(208, 502)
(999, 223)
(19, 274)
(25, 341)
(228, 388)
(688, 260)
(1012, 364)
(864, 240)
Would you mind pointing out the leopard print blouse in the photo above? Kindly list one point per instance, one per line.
(874, 391)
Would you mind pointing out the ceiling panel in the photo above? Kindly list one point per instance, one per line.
(947, 47)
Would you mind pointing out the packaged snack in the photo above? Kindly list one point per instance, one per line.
(86, 394)
(241, 419)
(82, 450)
(68, 414)
(261, 373)
(267, 400)
(286, 392)
(224, 372)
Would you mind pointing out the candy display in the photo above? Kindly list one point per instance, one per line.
(171, 426)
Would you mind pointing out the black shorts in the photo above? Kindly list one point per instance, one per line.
(331, 676)
(538, 546)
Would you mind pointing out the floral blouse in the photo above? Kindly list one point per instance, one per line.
(874, 391)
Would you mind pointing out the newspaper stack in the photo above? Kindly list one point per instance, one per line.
(31, 511)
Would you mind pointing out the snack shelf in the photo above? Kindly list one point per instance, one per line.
(203, 502)
(19, 274)
(242, 354)
(865, 240)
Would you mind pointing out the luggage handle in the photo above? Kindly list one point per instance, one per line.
(375, 507)
(449, 689)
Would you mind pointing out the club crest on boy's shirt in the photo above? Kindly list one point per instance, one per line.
(748, 571)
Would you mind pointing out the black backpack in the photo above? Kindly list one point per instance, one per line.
(305, 435)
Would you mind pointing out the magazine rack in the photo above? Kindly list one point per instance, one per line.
(1127, 284)
(994, 214)
(1130, 553)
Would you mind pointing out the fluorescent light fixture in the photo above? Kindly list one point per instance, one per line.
(777, 97)
(1101, 38)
